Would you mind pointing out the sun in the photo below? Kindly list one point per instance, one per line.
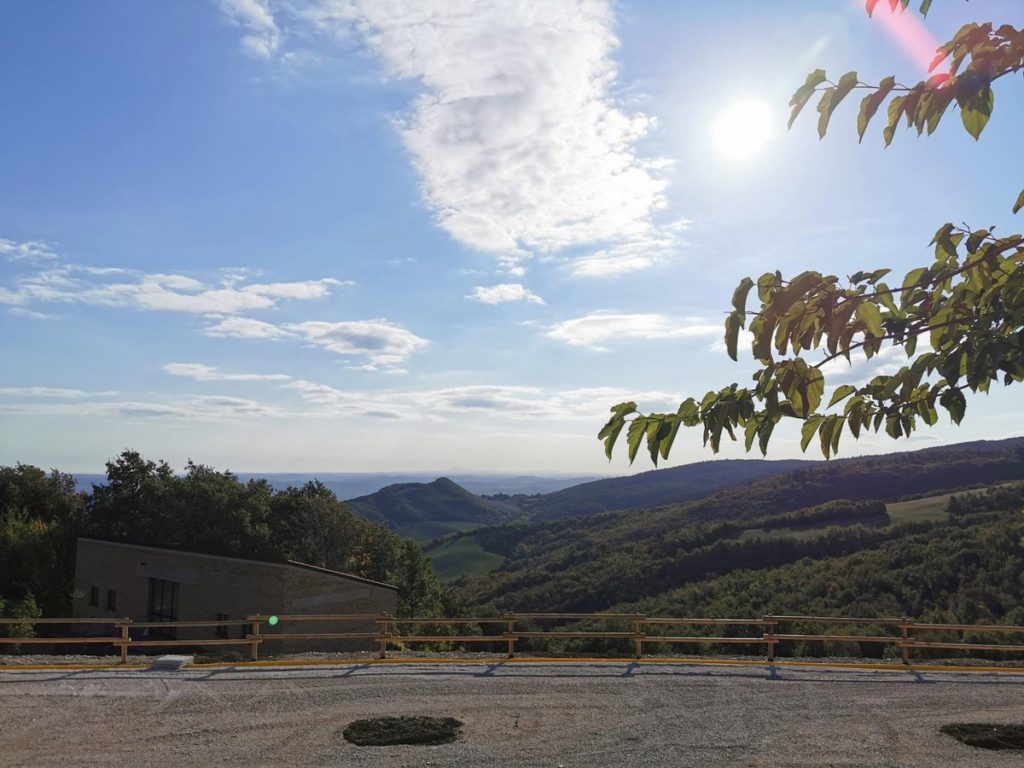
(743, 129)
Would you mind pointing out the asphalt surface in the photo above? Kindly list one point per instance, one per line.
(518, 714)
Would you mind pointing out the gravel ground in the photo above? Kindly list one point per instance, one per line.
(521, 714)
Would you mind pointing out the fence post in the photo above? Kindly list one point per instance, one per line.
(904, 638)
(638, 643)
(385, 633)
(125, 639)
(768, 633)
(510, 628)
(254, 637)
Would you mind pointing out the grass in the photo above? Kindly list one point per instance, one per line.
(928, 509)
(434, 529)
(462, 556)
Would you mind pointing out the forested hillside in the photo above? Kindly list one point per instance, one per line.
(592, 563)
(204, 510)
(426, 511)
(970, 570)
(648, 489)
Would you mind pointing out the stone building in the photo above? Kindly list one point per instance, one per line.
(115, 580)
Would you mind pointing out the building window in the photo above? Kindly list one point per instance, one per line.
(163, 604)
(111, 600)
(94, 596)
(222, 630)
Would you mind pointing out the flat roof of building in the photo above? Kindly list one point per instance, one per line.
(285, 564)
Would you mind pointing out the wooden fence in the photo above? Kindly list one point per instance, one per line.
(505, 631)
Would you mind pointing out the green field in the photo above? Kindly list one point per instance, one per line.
(462, 556)
(430, 530)
(930, 508)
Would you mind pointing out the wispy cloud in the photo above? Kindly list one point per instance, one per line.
(261, 37)
(195, 408)
(202, 372)
(504, 293)
(471, 401)
(30, 314)
(596, 328)
(71, 394)
(244, 328)
(519, 141)
(35, 250)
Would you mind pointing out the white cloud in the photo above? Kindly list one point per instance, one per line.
(517, 137)
(262, 37)
(68, 283)
(195, 408)
(244, 328)
(309, 289)
(30, 314)
(384, 343)
(861, 370)
(472, 401)
(598, 327)
(504, 293)
(201, 372)
(30, 250)
(42, 392)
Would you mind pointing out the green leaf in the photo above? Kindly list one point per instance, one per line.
(871, 316)
(807, 431)
(976, 111)
(804, 93)
(655, 432)
(869, 105)
(976, 239)
(732, 332)
(842, 393)
(739, 296)
(764, 435)
(925, 7)
(637, 429)
(914, 277)
(953, 401)
(831, 98)
(894, 112)
(610, 432)
(1020, 202)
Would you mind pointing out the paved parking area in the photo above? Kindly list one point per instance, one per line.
(515, 714)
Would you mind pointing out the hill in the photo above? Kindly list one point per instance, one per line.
(595, 562)
(648, 489)
(426, 511)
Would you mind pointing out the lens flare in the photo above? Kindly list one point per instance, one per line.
(913, 37)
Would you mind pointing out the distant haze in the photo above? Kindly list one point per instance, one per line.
(349, 485)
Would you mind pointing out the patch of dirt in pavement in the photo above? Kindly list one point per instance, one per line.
(987, 735)
(386, 731)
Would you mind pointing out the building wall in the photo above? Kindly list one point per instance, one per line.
(209, 585)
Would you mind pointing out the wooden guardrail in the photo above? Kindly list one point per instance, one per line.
(641, 631)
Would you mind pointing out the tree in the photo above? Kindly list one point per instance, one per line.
(960, 319)
(41, 515)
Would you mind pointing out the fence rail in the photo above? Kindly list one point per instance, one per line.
(512, 630)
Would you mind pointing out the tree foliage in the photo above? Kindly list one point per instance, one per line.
(959, 319)
(204, 510)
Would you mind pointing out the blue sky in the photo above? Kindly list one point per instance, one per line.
(386, 235)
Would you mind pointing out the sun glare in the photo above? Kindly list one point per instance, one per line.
(743, 129)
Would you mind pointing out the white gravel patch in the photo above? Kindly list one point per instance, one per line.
(515, 714)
